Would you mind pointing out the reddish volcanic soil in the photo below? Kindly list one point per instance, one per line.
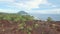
(10, 27)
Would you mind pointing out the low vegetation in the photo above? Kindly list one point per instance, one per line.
(15, 17)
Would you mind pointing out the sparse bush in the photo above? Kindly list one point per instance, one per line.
(21, 26)
(36, 25)
(49, 19)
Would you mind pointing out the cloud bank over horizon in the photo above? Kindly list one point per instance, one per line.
(31, 6)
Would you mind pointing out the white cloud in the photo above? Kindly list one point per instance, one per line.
(7, 0)
(27, 4)
(6, 10)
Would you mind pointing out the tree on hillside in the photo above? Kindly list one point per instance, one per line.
(49, 19)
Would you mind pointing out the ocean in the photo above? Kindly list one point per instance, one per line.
(55, 17)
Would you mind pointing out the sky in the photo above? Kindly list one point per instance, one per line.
(30, 6)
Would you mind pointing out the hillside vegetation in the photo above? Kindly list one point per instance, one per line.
(15, 16)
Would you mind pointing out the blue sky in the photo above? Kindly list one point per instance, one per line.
(31, 6)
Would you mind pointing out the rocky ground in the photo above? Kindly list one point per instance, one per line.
(29, 27)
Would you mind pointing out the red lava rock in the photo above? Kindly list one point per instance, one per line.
(10, 27)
